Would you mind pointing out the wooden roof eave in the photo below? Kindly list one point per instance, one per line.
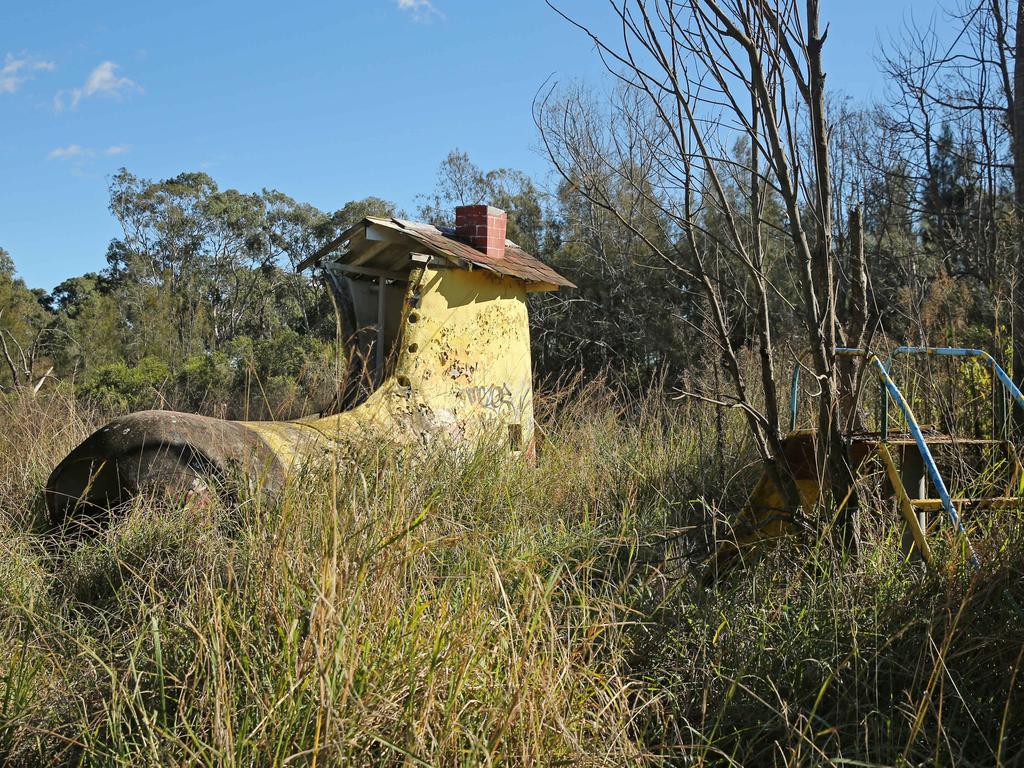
(317, 256)
(537, 287)
(373, 236)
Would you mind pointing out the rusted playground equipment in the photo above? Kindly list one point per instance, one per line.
(438, 346)
(907, 456)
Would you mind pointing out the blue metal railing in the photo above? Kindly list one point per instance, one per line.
(926, 454)
(890, 390)
(1008, 386)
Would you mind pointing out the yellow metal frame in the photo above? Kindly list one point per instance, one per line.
(757, 513)
(764, 515)
(906, 504)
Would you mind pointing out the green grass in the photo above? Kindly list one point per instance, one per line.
(411, 609)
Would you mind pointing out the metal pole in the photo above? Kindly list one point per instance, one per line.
(999, 431)
(379, 364)
(885, 409)
(794, 393)
(926, 455)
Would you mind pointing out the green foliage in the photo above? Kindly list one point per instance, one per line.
(206, 378)
(6, 264)
(23, 327)
(199, 297)
(119, 386)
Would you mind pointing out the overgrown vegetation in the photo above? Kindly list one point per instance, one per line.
(440, 610)
(725, 218)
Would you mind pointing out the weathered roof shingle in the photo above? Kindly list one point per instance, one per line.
(443, 242)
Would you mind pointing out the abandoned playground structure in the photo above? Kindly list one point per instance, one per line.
(910, 455)
(438, 349)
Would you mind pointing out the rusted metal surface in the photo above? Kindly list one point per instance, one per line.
(451, 364)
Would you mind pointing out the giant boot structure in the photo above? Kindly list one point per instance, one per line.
(438, 345)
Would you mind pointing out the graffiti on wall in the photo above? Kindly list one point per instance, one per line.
(491, 396)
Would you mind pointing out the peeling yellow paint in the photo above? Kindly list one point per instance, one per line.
(463, 370)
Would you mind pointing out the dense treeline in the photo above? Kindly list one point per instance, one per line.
(200, 300)
(200, 306)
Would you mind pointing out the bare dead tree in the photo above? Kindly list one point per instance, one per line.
(22, 359)
(971, 84)
(719, 127)
(1016, 131)
(961, 83)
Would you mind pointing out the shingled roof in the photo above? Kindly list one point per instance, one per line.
(515, 262)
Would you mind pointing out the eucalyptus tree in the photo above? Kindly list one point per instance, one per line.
(197, 266)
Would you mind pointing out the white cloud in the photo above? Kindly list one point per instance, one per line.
(16, 70)
(79, 153)
(69, 152)
(102, 81)
(420, 10)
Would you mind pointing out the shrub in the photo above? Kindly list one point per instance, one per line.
(204, 379)
(119, 386)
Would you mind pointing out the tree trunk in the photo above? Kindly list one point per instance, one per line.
(838, 481)
(1017, 294)
(856, 333)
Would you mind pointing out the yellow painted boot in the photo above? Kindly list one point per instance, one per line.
(438, 348)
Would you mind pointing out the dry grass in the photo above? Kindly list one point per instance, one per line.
(446, 610)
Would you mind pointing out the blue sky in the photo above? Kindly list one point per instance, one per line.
(326, 101)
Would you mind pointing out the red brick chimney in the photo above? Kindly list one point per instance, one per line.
(483, 227)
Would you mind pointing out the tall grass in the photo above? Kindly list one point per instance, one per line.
(439, 609)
